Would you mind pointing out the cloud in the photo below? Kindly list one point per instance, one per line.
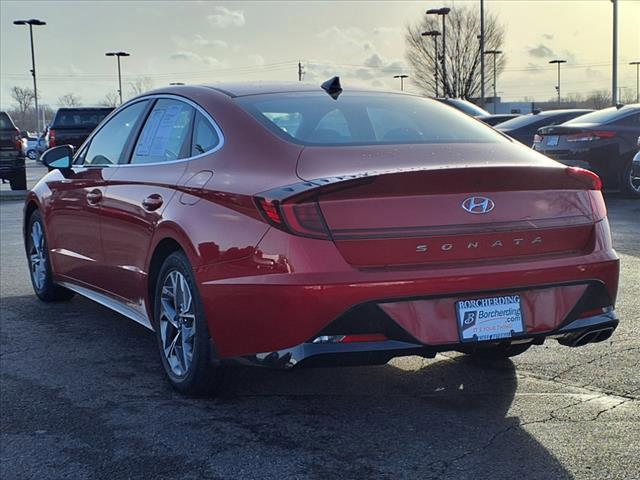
(256, 59)
(385, 30)
(224, 18)
(200, 41)
(350, 36)
(188, 56)
(547, 36)
(541, 51)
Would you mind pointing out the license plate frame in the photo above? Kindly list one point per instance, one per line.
(490, 319)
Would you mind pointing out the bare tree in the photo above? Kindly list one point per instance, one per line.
(463, 52)
(141, 85)
(24, 98)
(69, 100)
(111, 99)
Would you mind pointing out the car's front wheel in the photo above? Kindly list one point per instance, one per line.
(32, 154)
(186, 350)
(39, 265)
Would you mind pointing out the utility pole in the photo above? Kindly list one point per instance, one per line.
(495, 53)
(444, 11)
(482, 56)
(31, 23)
(435, 34)
(637, 64)
(558, 62)
(118, 55)
(401, 77)
(614, 73)
(300, 71)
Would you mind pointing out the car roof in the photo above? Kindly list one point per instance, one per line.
(240, 89)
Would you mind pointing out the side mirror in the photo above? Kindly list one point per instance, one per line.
(58, 157)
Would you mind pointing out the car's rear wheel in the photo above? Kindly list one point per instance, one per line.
(19, 181)
(631, 181)
(186, 350)
(498, 352)
(39, 265)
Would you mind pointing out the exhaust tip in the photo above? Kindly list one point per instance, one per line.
(593, 336)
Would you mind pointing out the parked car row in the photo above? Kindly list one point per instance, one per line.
(70, 126)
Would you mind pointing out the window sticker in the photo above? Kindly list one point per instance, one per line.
(164, 130)
(144, 144)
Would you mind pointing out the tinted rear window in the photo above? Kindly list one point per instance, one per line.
(80, 118)
(5, 122)
(356, 118)
(605, 115)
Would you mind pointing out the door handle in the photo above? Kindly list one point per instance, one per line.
(94, 197)
(152, 202)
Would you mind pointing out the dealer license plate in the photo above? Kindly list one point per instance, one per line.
(552, 140)
(487, 319)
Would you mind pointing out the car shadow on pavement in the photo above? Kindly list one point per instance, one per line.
(89, 400)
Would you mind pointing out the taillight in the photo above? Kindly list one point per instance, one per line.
(590, 180)
(304, 219)
(537, 138)
(52, 138)
(590, 136)
(18, 140)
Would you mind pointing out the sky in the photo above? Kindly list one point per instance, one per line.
(363, 42)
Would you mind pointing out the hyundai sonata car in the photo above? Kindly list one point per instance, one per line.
(283, 226)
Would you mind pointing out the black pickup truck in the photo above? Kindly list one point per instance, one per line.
(11, 154)
(72, 125)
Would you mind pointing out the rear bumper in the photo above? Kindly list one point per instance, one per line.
(575, 334)
(288, 293)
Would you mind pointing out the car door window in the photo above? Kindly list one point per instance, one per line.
(108, 144)
(165, 134)
(205, 137)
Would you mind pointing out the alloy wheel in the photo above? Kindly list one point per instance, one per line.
(177, 322)
(37, 256)
(634, 179)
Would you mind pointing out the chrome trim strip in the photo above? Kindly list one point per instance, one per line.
(132, 268)
(110, 302)
(70, 253)
(152, 97)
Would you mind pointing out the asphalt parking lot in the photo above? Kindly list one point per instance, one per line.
(83, 397)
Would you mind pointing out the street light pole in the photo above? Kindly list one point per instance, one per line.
(614, 73)
(401, 77)
(637, 64)
(31, 23)
(482, 99)
(495, 53)
(444, 11)
(118, 55)
(558, 86)
(435, 34)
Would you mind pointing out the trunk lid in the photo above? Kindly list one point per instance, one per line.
(453, 207)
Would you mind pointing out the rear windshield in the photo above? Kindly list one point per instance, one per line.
(5, 122)
(466, 107)
(356, 118)
(605, 115)
(80, 118)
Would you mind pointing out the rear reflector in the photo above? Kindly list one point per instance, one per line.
(591, 180)
(366, 337)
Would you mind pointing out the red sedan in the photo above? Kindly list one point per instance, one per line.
(297, 225)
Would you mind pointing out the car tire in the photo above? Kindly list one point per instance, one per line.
(497, 353)
(19, 181)
(39, 264)
(191, 366)
(32, 154)
(630, 188)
